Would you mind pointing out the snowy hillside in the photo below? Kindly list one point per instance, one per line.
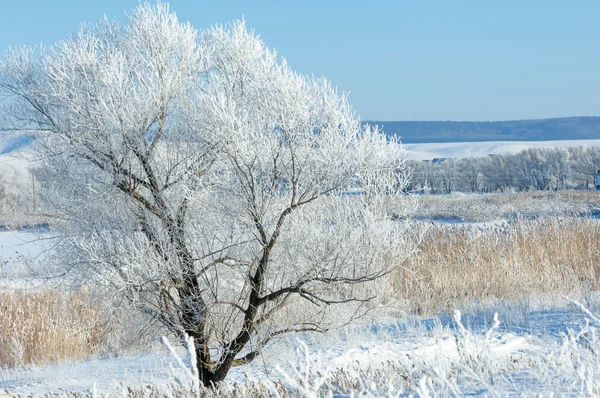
(480, 149)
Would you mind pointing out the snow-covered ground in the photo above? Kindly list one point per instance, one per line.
(521, 355)
(481, 149)
(492, 207)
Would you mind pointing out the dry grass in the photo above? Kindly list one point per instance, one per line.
(47, 326)
(456, 264)
(488, 207)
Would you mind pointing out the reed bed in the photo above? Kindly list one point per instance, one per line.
(456, 264)
(39, 327)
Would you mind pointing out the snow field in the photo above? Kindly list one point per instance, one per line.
(461, 150)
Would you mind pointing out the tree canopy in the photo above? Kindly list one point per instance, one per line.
(201, 179)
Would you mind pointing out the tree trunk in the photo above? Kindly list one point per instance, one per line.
(205, 372)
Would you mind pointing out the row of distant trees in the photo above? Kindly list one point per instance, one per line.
(531, 169)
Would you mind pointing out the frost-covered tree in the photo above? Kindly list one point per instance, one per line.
(199, 177)
(585, 163)
(468, 171)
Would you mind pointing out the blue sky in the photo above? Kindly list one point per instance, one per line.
(400, 60)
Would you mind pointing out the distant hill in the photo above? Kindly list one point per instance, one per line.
(565, 128)
(420, 132)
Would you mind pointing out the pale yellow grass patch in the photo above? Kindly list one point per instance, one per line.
(455, 264)
(47, 326)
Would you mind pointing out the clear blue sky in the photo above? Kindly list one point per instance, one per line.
(400, 60)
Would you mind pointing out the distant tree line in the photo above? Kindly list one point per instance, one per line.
(531, 169)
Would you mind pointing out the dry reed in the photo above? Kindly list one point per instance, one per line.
(47, 326)
(455, 264)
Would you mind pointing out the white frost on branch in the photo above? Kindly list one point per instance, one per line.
(201, 179)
